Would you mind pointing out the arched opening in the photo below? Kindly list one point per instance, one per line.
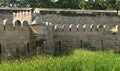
(25, 25)
(63, 26)
(57, 28)
(100, 27)
(93, 27)
(18, 25)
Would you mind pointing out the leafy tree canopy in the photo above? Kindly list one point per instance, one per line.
(75, 4)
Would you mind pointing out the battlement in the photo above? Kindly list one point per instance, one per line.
(13, 27)
(95, 37)
(84, 27)
(19, 16)
(20, 36)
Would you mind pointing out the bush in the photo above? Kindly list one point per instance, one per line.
(80, 60)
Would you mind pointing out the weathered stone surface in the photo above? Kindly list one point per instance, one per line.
(67, 33)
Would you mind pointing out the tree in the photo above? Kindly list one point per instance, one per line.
(117, 5)
(74, 4)
(68, 4)
(89, 4)
(82, 4)
(47, 4)
(6, 2)
(110, 4)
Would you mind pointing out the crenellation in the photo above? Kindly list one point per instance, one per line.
(84, 26)
(100, 26)
(57, 28)
(72, 28)
(20, 37)
(88, 28)
(77, 27)
(93, 27)
(95, 40)
(80, 27)
(63, 26)
(101, 30)
(117, 28)
(106, 27)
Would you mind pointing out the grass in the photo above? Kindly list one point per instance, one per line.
(80, 60)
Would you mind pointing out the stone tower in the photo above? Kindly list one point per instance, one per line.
(16, 34)
(22, 17)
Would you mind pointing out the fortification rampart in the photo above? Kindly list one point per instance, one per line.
(14, 39)
(96, 37)
(68, 30)
(83, 28)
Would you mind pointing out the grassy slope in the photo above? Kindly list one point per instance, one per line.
(80, 60)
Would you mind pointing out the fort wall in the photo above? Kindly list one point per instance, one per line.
(64, 30)
(92, 37)
(14, 40)
(90, 29)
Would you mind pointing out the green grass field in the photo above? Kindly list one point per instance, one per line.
(80, 60)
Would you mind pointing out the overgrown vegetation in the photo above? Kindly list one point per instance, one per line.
(80, 60)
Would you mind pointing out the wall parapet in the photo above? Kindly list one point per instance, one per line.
(75, 11)
(84, 27)
(94, 37)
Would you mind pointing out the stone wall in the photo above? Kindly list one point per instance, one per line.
(4, 16)
(93, 37)
(67, 32)
(59, 19)
(14, 40)
(89, 31)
